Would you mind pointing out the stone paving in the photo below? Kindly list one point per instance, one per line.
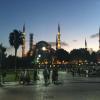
(71, 88)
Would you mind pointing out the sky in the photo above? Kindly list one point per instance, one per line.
(78, 19)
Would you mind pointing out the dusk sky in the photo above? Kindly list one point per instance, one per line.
(78, 19)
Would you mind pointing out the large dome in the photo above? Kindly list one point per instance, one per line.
(42, 44)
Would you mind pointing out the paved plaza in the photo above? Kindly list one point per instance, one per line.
(70, 88)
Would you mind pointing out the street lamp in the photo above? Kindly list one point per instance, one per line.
(39, 55)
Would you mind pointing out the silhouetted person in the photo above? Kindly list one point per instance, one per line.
(86, 71)
(49, 73)
(3, 76)
(46, 74)
(21, 77)
(54, 75)
(35, 75)
(26, 77)
(73, 72)
(78, 71)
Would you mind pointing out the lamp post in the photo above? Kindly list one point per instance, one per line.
(38, 58)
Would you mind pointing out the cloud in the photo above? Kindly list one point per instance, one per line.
(62, 43)
(74, 40)
(94, 35)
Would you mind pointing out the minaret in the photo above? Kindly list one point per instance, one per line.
(85, 44)
(31, 41)
(59, 42)
(23, 46)
(56, 42)
(31, 44)
(99, 38)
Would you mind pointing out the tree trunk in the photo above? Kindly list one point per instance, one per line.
(15, 64)
(15, 58)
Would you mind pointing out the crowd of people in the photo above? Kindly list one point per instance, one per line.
(48, 74)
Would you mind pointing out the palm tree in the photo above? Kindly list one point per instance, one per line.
(15, 40)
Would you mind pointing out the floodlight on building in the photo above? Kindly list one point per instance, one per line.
(44, 48)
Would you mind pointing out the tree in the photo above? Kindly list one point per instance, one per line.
(78, 55)
(93, 57)
(15, 40)
(62, 55)
(2, 62)
(2, 56)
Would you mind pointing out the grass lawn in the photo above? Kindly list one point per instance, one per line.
(11, 76)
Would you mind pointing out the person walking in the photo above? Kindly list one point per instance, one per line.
(45, 75)
(54, 75)
(21, 77)
(26, 77)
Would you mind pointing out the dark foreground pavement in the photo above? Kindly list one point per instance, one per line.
(70, 89)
